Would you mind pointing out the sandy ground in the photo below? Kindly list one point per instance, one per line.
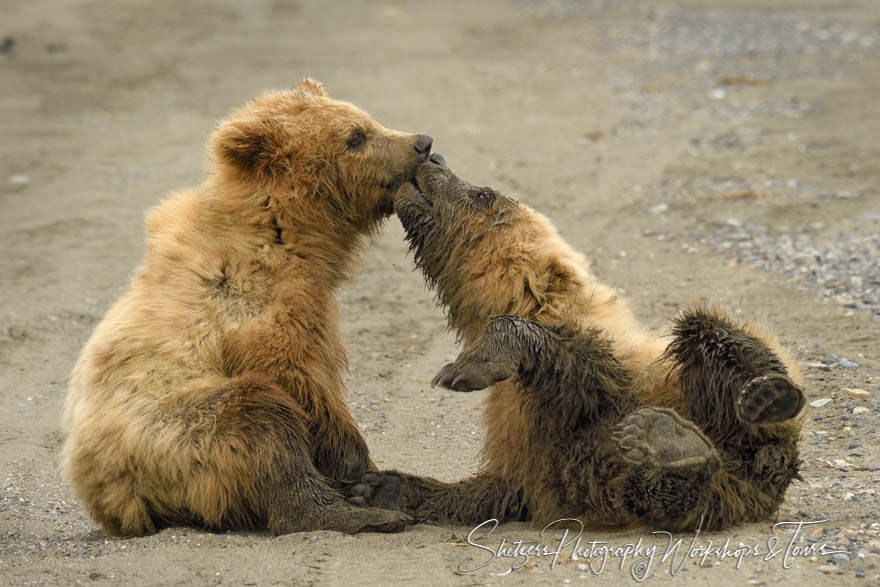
(639, 130)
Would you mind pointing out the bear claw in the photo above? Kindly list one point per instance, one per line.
(768, 399)
(471, 375)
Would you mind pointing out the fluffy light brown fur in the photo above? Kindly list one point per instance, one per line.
(211, 392)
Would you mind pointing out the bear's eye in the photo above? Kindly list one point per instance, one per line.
(484, 196)
(357, 139)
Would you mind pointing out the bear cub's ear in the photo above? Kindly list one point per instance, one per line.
(310, 86)
(251, 145)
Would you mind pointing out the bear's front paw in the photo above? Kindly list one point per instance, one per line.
(471, 374)
(381, 490)
(768, 399)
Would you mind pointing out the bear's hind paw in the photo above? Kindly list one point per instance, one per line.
(660, 439)
(769, 399)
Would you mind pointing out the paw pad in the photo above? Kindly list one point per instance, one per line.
(768, 399)
(661, 439)
(380, 490)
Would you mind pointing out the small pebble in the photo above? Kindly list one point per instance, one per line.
(828, 569)
(658, 209)
(860, 410)
(840, 558)
(856, 392)
(846, 363)
(820, 403)
(19, 179)
(817, 365)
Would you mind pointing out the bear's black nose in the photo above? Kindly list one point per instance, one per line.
(438, 160)
(423, 146)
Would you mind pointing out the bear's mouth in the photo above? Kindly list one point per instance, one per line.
(393, 184)
(419, 196)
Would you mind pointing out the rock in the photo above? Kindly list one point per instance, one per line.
(828, 569)
(839, 558)
(846, 363)
(820, 403)
(816, 365)
(856, 392)
(860, 410)
(658, 209)
(8, 43)
(19, 179)
(860, 571)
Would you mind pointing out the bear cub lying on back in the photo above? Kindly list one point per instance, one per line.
(591, 416)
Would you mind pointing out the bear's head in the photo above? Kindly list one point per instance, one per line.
(316, 153)
(485, 254)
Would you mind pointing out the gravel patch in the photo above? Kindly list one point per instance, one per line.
(843, 268)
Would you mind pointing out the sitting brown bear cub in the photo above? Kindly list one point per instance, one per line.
(590, 416)
(211, 393)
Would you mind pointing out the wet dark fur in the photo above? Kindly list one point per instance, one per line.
(588, 416)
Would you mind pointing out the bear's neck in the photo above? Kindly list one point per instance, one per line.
(311, 240)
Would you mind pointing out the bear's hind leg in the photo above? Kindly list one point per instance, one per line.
(741, 394)
(242, 459)
(470, 501)
(729, 377)
(670, 466)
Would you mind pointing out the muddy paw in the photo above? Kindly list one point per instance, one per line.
(381, 490)
(342, 517)
(468, 374)
(352, 520)
(381, 520)
(770, 398)
(661, 439)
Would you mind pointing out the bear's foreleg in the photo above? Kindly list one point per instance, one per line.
(263, 430)
(341, 452)
(569, 378)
